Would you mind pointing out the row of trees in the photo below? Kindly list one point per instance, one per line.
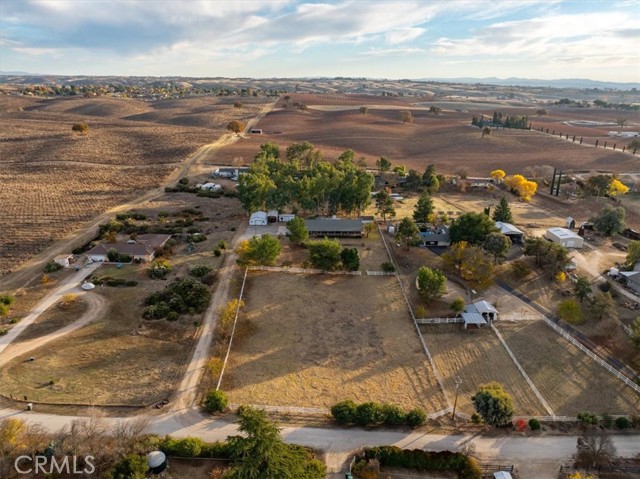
(302, 180)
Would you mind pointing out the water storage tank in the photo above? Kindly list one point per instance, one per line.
(391, 229)
(157, 462)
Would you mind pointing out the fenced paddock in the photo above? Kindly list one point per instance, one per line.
(567, 378)
(310, 341)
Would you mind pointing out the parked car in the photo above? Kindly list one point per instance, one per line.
(570, 267)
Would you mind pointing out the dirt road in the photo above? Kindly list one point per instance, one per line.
(69, 285)
(29, 270)
(97, 307)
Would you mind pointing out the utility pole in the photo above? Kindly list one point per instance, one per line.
(458, 382)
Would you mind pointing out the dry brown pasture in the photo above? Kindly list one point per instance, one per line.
(122, 359)
(567, 378)
(313, 340)
(448, 140)
(53, 179)
(56, 317)
(477, 357)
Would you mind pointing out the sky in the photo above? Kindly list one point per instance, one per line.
(548, 39)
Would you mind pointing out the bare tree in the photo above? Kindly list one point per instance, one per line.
(486, 131)
(406, 116)
(621, 122)
(595, 448)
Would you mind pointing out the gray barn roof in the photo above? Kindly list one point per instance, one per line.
(331, 225)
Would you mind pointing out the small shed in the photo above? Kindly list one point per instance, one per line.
(565, 237)
(515, 235)
(64, 260)
(259, 218)
(632, 279)
(479, 313)
(285, 217)
(272, 216)
(435, 236)
(502, 475)
(571, 223)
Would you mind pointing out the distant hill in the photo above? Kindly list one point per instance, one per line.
(581, 83)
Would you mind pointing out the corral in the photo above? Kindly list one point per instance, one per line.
(567, 378)
(311, 341)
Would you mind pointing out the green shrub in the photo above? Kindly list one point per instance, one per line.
(209, 278)
(199, 271)
(7, 299)
(222, 244)
(607, 421)
(416, 417)
(217, 252)
(187, 447)
(131, 466)
(387, 267)
(475, 418)
(156, 311)
(172, 316)
(344, 412)
(417, 459)
(393, 415)
(52, 267)
(159, 269)
(196, 238)
(623, 423)
(4, 309)
(131, 283)
(369, 413)
(534, 424)
(3, 332)
(587, 418)
(216, 401)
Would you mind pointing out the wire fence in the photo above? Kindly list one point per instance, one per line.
(413, 317)
(282, 269)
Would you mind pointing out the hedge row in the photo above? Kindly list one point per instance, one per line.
(194, 447)
(392, 456)
(373, 413)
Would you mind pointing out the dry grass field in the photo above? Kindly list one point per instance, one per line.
(447, 139)
(56, 317)
(122, 358)
(477, 357)
(119, 359)
(53, 179)
(567, 378)
(313, 340)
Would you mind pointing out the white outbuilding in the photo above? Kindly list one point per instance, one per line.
(565, 237)
(285, 217)
(259, 218)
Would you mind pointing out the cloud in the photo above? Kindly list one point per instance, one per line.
(393, 51)
(558, 38)
(403, 35)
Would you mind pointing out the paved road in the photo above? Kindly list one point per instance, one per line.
(68, 285)
(528, 453)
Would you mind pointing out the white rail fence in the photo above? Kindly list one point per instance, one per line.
(439, 320)
(592, 355)
(520, 317)
(380, 273)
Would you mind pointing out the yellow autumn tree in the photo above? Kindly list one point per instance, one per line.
(617, 187)
(497, 175)
(523, 187)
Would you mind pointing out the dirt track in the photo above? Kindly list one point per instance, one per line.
(97, 307)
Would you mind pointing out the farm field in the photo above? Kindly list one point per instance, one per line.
(54, 179)
(448, 139)
(567, 378)
(477, 357)
(313, 340)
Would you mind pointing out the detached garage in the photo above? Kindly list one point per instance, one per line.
(259, 218)
(565, 237)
